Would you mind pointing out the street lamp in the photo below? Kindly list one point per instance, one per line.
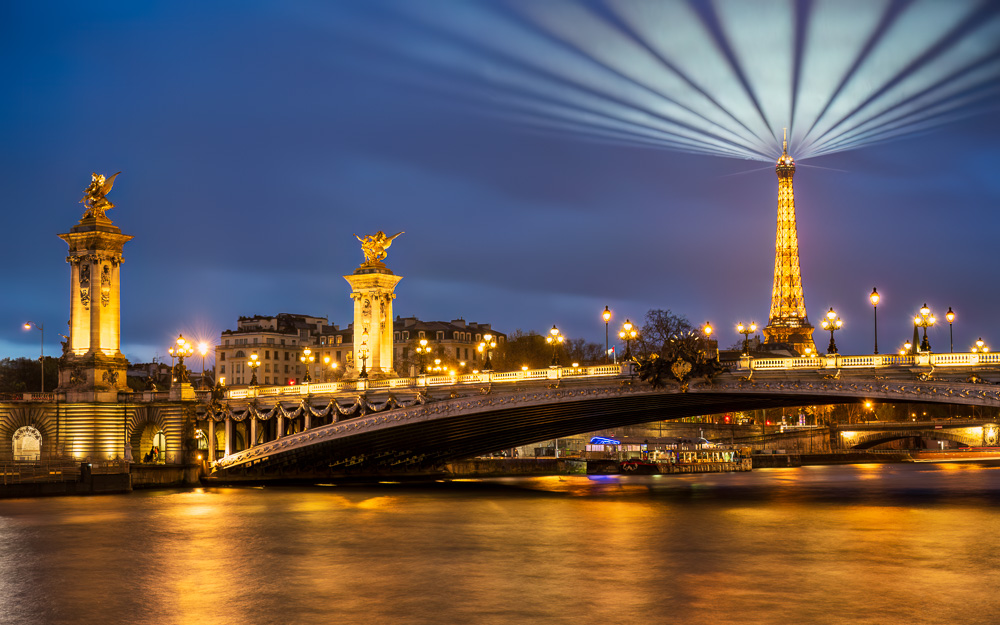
(607, 317)
(907, 346)
(980, 347)
(41, 346)
(925, 320)
(746, 331)
(874, 297)
(203, 349)
(950, 316)
(486, 347)
(363, 354)
(832, 322)
(307, 359)
(555, 340)
(422, 350)
(181, 349)
(628, 334)
(253, 363)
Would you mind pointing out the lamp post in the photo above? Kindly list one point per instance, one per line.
(980, 347)
(203, 350)
(907, 346)
(486, 347)
(41, 346)
(874, 297)
(832, 323)
(363, 354)
(307, 359)
(554, 339)
(422, 351)
(607, 317)
(181, 349)
(746, 331)
(950, 316)
(628, 334)
(253, 363)
(924, 320)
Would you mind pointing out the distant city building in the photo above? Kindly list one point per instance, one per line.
(279, 341)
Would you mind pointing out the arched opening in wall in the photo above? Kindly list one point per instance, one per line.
(27, 442)
(201, 438)
(153, 443)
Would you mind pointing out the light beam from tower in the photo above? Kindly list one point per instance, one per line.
(788, 323)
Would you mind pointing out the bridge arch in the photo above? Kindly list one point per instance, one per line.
(867, 440)
(35, 419)
(147, 431)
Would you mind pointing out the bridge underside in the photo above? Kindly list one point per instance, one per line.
(425, 445)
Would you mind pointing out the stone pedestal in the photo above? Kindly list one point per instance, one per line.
(372, 286)
(92, 367)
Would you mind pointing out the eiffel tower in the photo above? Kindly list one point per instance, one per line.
(788, 323)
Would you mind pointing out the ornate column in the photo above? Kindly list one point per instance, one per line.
(92, 367)
(253, 432)
(229, 436)
(372, 286)
(280, 427)
(211, 439)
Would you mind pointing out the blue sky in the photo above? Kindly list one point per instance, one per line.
(256, 138)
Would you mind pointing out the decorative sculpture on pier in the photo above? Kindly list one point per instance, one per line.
(372, 286)
(95, 195)
(375, 245)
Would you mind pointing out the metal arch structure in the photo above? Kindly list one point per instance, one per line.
(425, 435)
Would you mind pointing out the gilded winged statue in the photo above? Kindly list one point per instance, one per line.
(375, 245)
(94, 195)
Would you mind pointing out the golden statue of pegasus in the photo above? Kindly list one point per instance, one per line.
(94, 195)
(375, 245)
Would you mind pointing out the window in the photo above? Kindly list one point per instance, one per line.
(227, 342)
(286, 368)
(222, 355)
(241, 354)
(440, 335)
(286, 355)
(270, 340)
(338, 355)
(255, 340)
(322, 340)
(458, 353)
(340, 339)
(282, 341)
(267, 368)
(466, 353)
(267, 379)
(395, 336)
(420, 334)
(222, 368)
(267, 354)
(478, 338)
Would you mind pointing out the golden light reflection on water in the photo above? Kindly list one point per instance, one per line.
(823, 545)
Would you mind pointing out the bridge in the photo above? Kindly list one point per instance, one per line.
(392, 424)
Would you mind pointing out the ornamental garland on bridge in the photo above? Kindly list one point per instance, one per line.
(359, 407)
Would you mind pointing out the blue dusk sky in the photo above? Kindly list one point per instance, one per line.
(544, 159)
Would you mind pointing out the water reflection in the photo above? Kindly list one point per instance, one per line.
(859, 544)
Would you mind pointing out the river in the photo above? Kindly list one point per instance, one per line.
(881, 544)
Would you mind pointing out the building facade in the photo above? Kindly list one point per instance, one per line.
(279, 341)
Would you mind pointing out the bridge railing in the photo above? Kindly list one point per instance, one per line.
(414, 382)
(46, 397)
(869, 361)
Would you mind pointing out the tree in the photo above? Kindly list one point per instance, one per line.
(20, 375)
(660, 327)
